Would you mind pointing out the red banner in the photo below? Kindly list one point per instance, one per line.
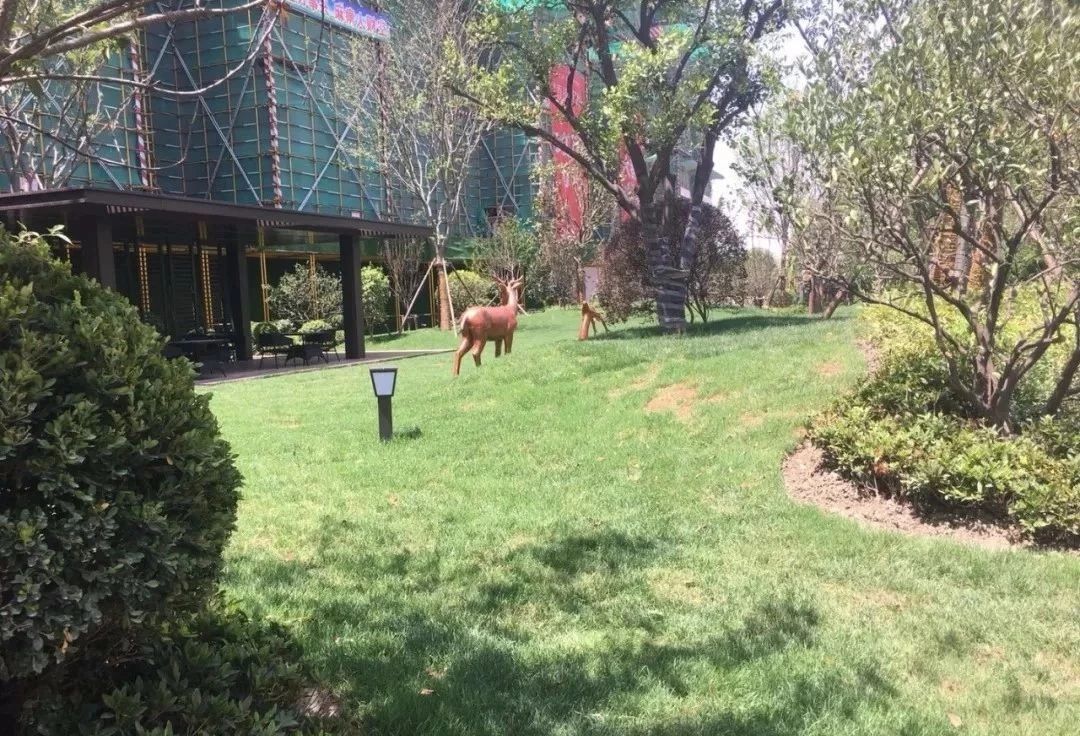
(571, 184)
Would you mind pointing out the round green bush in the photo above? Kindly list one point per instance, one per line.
(117, 493)
(469, 289)
(375, 295)
(316, 325)
(259, 329)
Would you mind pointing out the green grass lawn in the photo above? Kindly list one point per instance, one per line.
(593, 538)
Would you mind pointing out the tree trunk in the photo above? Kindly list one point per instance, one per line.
(815, 297)
(669, 283)
(444, 300)
(835, 302)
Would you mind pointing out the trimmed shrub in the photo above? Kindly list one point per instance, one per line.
(905, 431)
(117, 493)
(315, 325)
(470, 289)
(264, 328)
(216, 672)
(375, 298)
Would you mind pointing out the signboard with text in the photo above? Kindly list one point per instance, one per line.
(348, 13)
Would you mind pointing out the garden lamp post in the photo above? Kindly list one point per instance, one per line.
(383, 381)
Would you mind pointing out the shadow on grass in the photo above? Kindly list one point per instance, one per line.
(385, 338)
(732, 323)
(492, 647)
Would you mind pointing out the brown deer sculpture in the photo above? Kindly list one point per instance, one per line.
(589, 318)
(480, 324)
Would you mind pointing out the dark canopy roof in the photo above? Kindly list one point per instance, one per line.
(118, 202)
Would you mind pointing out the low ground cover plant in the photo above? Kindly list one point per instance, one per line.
(905, 431)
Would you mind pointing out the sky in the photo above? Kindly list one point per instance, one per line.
(727, 188)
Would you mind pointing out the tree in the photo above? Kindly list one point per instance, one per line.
(779, 187)
(761, 271)
(716, 274)
(413, 129)
(512, 251)
(659, 75)
(375, 297)
(576, 214)
(64, 90)
(946, 154)
(305, 294)
(405, 266)
(770, 167)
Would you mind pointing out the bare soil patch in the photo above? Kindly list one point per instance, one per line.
(678, 398)
(640, 383)
(829, 369)
(808, 481)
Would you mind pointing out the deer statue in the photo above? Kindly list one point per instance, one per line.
(480, 324)
(589, 318)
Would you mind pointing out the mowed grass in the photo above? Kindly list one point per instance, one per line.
(593, 538)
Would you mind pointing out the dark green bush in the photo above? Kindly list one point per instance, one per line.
(904, 431)
(264, 328)
(117, 493)
(216, 672)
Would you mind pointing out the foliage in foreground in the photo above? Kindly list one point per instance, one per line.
(905, 431)
(117, 493)
(215, 672)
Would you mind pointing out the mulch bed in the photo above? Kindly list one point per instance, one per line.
(809, 481)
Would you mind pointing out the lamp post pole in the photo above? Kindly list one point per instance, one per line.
(383, 382)
(386, 419)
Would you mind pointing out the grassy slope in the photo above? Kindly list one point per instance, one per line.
(551, 558)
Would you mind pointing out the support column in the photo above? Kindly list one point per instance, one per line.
(236, 283)
(93, 231)
(352, 309)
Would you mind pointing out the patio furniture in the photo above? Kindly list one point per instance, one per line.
(306, 352)
(198, 347)
(325, 339)
(272, 343)
(214, 359)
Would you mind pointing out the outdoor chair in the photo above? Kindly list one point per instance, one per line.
(326, 340)
(272, 343)
(214, 359)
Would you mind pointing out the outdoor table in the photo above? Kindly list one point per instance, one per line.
(304, 350)
(196, 347)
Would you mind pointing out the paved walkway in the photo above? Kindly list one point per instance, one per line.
(249, 370)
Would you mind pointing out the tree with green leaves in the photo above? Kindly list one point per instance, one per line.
(946, 153)
(306, 294)
(660, 76)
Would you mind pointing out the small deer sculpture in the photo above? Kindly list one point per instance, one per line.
(589, 318)
(480, 324)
